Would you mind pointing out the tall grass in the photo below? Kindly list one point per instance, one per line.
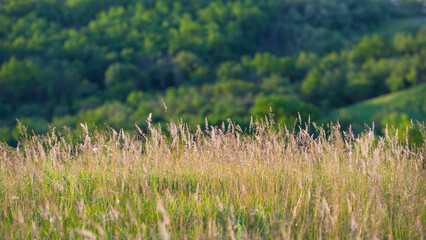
(213, 183)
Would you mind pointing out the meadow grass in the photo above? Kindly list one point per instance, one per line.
(409, 101)
(267, 182)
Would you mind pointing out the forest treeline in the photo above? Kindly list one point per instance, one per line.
(115, 62)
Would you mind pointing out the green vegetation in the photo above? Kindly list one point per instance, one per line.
(115, 62)
(410, 102)
(216, 183)
(389, 28)
(170, 75)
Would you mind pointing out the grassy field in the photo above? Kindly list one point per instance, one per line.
(213, 183)
(411, 102)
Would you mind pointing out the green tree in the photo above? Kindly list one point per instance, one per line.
(370, 47)
(404, 43)
(312, 88)
(231, 70)
(285, 109)
(359, 86)
(113, 114)
(190, 68)
(18, 81)
(119, 73)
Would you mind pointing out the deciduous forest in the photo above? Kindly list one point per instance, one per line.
(108, 62)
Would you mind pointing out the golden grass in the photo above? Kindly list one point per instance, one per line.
(216, 183)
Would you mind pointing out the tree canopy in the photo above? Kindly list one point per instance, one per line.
(105, 61)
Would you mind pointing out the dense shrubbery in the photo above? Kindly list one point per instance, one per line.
(99, 61)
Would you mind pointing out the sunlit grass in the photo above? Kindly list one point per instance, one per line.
(410, 101)
(219, 182)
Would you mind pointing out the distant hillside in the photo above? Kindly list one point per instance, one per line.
(411, 102)
(108, 62)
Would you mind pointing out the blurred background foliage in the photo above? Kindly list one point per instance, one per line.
(115, 62)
